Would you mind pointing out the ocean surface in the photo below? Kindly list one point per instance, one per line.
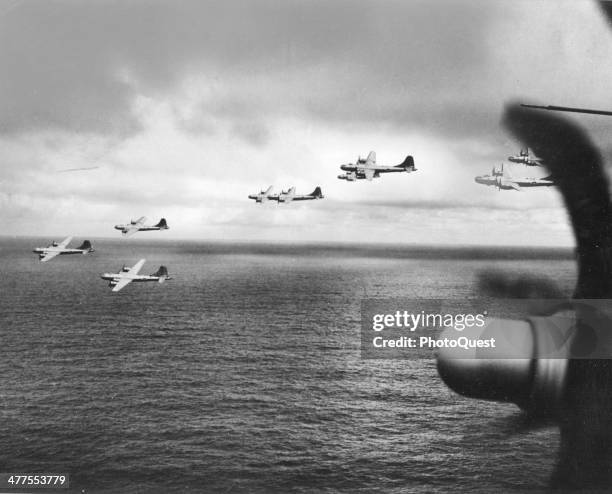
(243, 373)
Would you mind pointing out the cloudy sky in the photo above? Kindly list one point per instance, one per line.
(186, 109)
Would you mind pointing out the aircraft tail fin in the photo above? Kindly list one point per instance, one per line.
(162, 224)
(408, 164)
(162, 273)
(86, 246)
(372, 157)
(317, 193)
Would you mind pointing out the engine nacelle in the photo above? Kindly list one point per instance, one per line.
(349, 176)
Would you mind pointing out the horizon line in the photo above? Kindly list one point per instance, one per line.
(281, 242)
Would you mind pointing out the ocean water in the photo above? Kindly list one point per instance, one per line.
(243, 373)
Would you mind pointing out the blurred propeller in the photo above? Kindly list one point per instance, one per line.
(585, 418)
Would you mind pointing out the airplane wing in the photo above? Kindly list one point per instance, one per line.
(507, 179)
(136, 267)
(47, 256)
(125, 281)
(121, 283)
(130, 230)
(369, 173)
(133, 228)
(64, 243)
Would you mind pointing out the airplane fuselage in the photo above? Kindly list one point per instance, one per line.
(525, 160)
(289, 198)
(47, 250)
(494, 180)
(359, 173)
(362, 169)
(126, 228)
(116, 277)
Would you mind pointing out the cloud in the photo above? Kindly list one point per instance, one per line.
(443, 67)
(188, 108)
(71, 64)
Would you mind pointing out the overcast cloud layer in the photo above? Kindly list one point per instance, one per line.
(188, 108)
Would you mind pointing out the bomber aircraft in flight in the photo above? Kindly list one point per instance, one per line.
(525, 158)
(503, 179)
(55, 249)
(263, 196)
(118, 280)
(368, 169)
(139, 226)
(289, 195)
